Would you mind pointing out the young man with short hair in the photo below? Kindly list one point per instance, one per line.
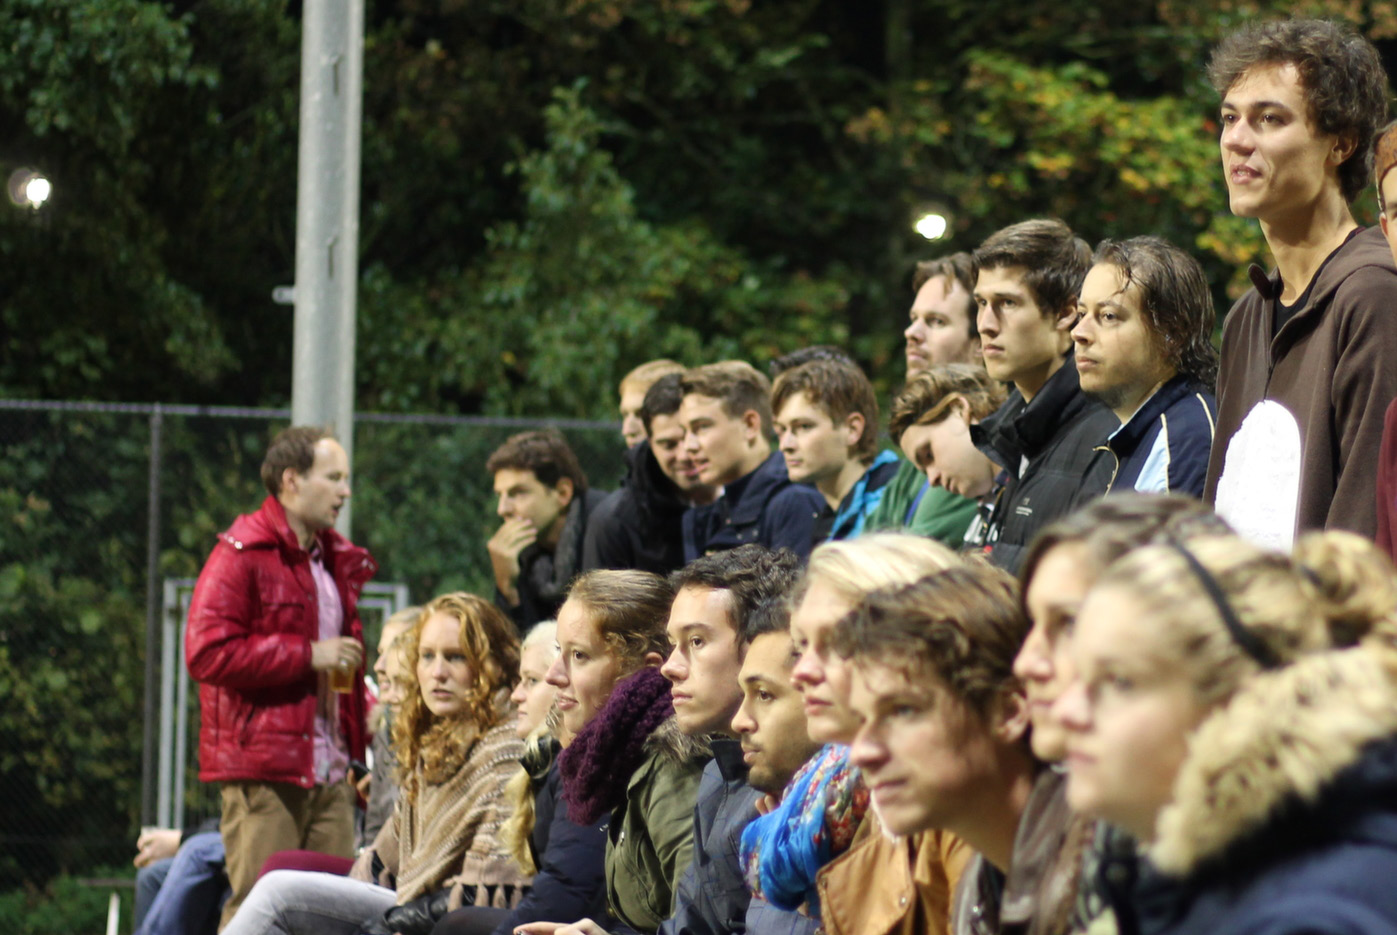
(1145, 350)
(640, 525)
(272, 622)
(1309, 355)
(1028, 276)
(826, 418)
(545, 503)
(943, 331)
(726, 413)
(634, 386)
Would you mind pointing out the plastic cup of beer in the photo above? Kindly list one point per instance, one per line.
(342, 679)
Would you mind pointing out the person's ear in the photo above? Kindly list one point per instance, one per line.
(1344, 146)
(290, 481)
(564, 490)
(854, 424)
(1067, 316)
(652, 660)
(752, 425)
(1011, 720)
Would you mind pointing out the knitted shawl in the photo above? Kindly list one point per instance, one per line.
(597, 765)
(450, 836)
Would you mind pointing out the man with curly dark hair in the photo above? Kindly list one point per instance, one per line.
(1309, 355)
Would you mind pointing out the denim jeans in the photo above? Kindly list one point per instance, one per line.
(194, 889)
(301, 902)
(149, 879)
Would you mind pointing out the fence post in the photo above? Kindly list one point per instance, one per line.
(149, 750)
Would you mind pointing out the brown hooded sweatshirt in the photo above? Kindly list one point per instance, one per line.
(1300, 415)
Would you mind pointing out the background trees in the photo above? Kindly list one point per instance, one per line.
(554, 191)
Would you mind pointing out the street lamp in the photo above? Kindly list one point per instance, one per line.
(29, 189)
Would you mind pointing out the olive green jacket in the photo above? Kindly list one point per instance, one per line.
(651, 839)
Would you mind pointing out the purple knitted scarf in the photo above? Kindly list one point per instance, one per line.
(597, 765)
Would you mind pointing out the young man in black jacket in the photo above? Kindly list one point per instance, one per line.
(1028, 277)
(640, 526)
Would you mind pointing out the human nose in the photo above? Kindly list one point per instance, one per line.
(742, 721)
(674, 668)
(519, 695)
(1072, 709)
(986, 321)
(691, 443)
(806, 671)
(1237, 136)
(1083, 332)
(913, 331)
(866, 752)
(786, 440)
(1033, 661)
(502, 508)
(557, 674)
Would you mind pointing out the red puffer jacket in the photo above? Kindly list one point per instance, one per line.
(251, 623)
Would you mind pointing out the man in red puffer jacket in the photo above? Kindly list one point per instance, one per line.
(272, 632)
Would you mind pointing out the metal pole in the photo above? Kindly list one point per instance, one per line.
(149, 750)
(327, 219)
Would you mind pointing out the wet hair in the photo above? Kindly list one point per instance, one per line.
(292, 448)
(954, 268)
(1335, 590)
(662, 399)
(544, 452)
(1054, 261)
(839, 390)
(630, 610)
(928, 396)
(963, 626)
(431, 748)
(753, 576)
(736, 384)
(1341, 75)
(805, 355)
(1175, 299)
(1114, 525)
(851, 568)
(644, 376)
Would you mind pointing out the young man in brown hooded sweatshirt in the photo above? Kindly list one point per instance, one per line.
(1309, 355)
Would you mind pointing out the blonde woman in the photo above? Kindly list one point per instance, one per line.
(815, 849)
(457, 748)
(1236, 711)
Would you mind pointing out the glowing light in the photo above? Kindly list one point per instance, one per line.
(37, 191)
(932, 226)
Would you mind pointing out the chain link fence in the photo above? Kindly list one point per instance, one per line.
(106, 513)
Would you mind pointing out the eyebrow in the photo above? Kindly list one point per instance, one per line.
(1259, 105)
(756, 677)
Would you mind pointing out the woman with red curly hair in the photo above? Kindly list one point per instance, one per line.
(457, 749)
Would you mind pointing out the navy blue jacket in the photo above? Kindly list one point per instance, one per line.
(1328, 868)
(571, 858)
(763, 507)
(1164, 447)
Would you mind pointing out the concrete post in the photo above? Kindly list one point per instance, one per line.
(327, 219)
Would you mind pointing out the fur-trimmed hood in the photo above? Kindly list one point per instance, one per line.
(1301, 756)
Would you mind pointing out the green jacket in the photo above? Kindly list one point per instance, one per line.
(941, 515)
(651, 838)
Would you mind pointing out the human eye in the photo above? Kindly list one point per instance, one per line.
(765, 696)
(579, 656)
(696, 642)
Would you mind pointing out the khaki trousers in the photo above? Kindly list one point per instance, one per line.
(261, 818)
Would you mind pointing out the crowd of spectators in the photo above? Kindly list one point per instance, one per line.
(1106, 643)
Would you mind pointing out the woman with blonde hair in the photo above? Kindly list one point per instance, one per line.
(1236, 711)
(456, 749)
(815, 849)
